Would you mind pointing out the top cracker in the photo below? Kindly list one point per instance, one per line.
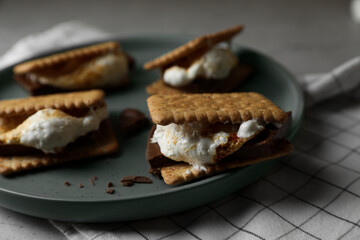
(203, 42)
(64, 101)
(213, 108)
(85, 52)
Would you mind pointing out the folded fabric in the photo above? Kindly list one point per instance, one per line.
(344, 79)
(60, 36)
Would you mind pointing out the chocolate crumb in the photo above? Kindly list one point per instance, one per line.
(130, 180)
(66, 183)
(110, 191)
(94, 178)
(137, 179)
(110, 184)
(142, 179)
(92, 181)
(127, 183)
(132, 121)
(81, 186)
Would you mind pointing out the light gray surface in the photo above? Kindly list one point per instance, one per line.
(305, 36)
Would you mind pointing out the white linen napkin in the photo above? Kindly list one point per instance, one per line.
(60, 36)
(313, 194)
(344, 79)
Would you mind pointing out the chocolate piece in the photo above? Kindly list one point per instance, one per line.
(81, 186)
(110, 191)
(127, 183)
(110, 184)
(66, 183)
(136, 179)
(130, 180)
(262, 145)
(130, 59)
(132, 121)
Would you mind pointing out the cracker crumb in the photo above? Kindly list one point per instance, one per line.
(110, 191)
(92, 181)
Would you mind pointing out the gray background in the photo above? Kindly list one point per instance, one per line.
(305, 36)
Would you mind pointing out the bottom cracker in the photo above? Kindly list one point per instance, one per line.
(184, 172)
(102, 142)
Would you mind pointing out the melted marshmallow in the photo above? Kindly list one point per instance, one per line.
(215, 64)
(50, 130)
(188, 143)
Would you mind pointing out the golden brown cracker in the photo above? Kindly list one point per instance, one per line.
(213, 108)
(194, 45)
(184, 172)
(62, 101)
(85, 52)
(176, 54)
(103, 143)
(224, 35)
(235, 78)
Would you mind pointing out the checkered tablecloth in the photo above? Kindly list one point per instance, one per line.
(314, 193)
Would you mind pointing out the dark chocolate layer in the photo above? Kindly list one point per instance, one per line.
(132, 121)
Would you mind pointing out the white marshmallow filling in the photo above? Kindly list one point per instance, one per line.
(192, 143)
(51, 130)
(216, 64)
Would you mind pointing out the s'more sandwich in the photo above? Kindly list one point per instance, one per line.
(103, 66)
(52, 129)
(197, 135)
(204, 65)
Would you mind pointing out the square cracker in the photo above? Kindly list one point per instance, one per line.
(87, 52)
(213, 108)
(62, 101)
(184, 172)
(102, 142)
(201, 44)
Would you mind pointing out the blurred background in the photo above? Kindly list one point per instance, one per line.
(306, 36)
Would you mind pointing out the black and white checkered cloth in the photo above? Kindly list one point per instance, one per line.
(314, 193)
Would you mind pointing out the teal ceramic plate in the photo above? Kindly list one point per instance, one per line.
(42, 193)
